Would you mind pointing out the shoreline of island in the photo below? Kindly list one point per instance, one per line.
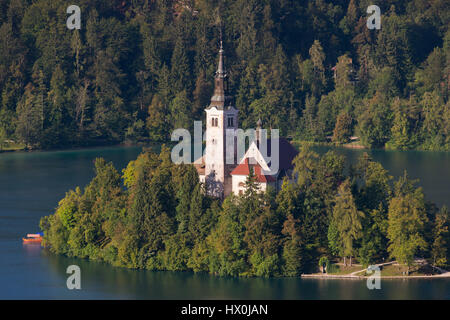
(349, 277)
(356, 275)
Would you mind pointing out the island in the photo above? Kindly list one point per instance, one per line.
(157, 215)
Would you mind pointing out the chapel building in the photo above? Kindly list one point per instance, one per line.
(221, 178)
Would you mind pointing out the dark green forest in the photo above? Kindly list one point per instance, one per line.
(156, 216)
(138, 69)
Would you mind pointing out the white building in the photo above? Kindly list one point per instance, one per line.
(221, 178)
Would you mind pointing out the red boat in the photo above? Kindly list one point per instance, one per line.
(33, 238)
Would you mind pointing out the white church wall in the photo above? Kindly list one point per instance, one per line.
(239, 184)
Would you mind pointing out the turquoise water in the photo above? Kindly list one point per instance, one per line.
(431, 168)
(31, 184)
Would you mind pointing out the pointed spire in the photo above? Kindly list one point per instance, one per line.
(220, 69)
(220, 99)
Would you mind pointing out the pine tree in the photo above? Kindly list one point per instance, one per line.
(165, 89)
(202, 94)
(180, 108)
(156, 122)
(58, 113)
(347, 220)
(309, 127)
(29, 126)
(180, 72)
(318, 58)
(292, 249)
(440, 248)
(407, 221)
(343, 129)
(77, 47)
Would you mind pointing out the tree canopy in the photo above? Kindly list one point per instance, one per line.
(157, 216)
(138, 69)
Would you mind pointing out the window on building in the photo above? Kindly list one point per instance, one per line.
(230, 122)
(214, 122)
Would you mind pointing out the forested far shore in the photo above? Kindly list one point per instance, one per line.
(136, 70)
(156, 216)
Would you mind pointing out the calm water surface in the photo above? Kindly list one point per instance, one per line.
(31, 184)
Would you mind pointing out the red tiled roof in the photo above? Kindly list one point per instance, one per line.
(244, 170)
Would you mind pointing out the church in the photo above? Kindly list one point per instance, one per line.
(221, 177)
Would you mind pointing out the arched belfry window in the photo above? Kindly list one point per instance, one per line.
(214, 122)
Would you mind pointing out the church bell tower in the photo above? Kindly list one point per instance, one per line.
(221, 116)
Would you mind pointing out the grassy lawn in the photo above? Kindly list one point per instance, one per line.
(400, 270)
(12, 146)
(341, 270)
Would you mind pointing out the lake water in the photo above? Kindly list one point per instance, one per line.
(31, 184)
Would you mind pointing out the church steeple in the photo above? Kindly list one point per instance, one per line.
(220, 99)
(221, 120)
